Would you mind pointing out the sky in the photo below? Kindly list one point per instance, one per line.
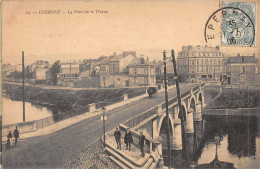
(146, 26)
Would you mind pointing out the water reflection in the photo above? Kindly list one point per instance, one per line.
(13, 111)
(239, 142)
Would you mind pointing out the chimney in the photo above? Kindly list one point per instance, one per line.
(142, 60)
(189, 47)
(238, 54)
(147, 59)
(253, 54)
(183, 47)
(114, 54)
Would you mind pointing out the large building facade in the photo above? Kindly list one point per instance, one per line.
(200, 63)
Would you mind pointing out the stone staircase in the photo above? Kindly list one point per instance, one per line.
(125, 161)
(129, 159)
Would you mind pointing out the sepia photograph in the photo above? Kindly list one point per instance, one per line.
(130, 84)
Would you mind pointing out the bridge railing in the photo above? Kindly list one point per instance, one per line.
(109, 102)
(132, 123)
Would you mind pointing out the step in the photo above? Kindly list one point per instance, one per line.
(121, 159)
(148, 163)
(139, 163)
(118, 162)
(153, 166)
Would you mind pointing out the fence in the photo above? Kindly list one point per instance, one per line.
(137, 120)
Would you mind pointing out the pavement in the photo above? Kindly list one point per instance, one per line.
(55, 149)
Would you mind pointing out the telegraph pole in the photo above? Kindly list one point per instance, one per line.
(167, 112)
(23, 86)
(181, 114)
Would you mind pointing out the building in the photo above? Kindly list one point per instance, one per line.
(40, 73)
(200, 63)
(241, 70)
(114, 80)
(7, 69)
(104, 65)
(119, 63)
(69, 73)
(141, 72)
(38, 64)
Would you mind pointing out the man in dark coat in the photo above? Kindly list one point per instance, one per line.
(142, 143)
(117, 135)
(128, 139)
(16, 134)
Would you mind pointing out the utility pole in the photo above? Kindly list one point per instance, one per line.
(23, 86)
(167, 112)
(181, 114)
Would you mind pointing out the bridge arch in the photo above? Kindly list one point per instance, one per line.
(192, 105)
(184, 110)
(200, 98)
(163, 121)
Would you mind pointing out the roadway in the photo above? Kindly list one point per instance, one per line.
(55, 149)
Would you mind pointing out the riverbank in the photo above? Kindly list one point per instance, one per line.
(63, 98)
(236, 98)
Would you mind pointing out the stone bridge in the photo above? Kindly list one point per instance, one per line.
(153, 122)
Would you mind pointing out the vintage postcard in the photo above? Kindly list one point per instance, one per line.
(130, 84)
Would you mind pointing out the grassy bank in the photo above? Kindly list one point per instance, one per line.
(236, 98)
(67, 98)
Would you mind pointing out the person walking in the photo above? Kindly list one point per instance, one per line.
(117, 135)
(16, 134)
(9, 140)
(142, 143)
(128, 139)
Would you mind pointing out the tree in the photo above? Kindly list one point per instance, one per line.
(54, 70)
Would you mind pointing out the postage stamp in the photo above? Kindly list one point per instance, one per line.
(238, 23)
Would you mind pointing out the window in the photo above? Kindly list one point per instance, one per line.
(197, 65)
(145, 71)
(135, 72)
(243, 70)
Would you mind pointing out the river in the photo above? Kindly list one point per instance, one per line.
(239, 141)
(13, 111)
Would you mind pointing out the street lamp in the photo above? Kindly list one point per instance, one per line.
(104, 118)
(216, 139)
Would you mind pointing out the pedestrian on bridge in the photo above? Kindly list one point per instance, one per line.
(117, 135)
(16, 135)
(9, 140)
(128, 139)
(142, 143)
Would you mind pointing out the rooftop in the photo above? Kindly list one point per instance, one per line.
(196, 50)
(242, 59)
(140, 62)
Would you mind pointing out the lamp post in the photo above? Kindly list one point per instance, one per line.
(104, 118)
(216, 139)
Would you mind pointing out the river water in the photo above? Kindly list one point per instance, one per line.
(13, 111)
(239, 141)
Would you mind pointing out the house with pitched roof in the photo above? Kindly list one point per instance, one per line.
(141, 72)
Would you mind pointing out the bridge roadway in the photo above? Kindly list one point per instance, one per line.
(55, 149)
